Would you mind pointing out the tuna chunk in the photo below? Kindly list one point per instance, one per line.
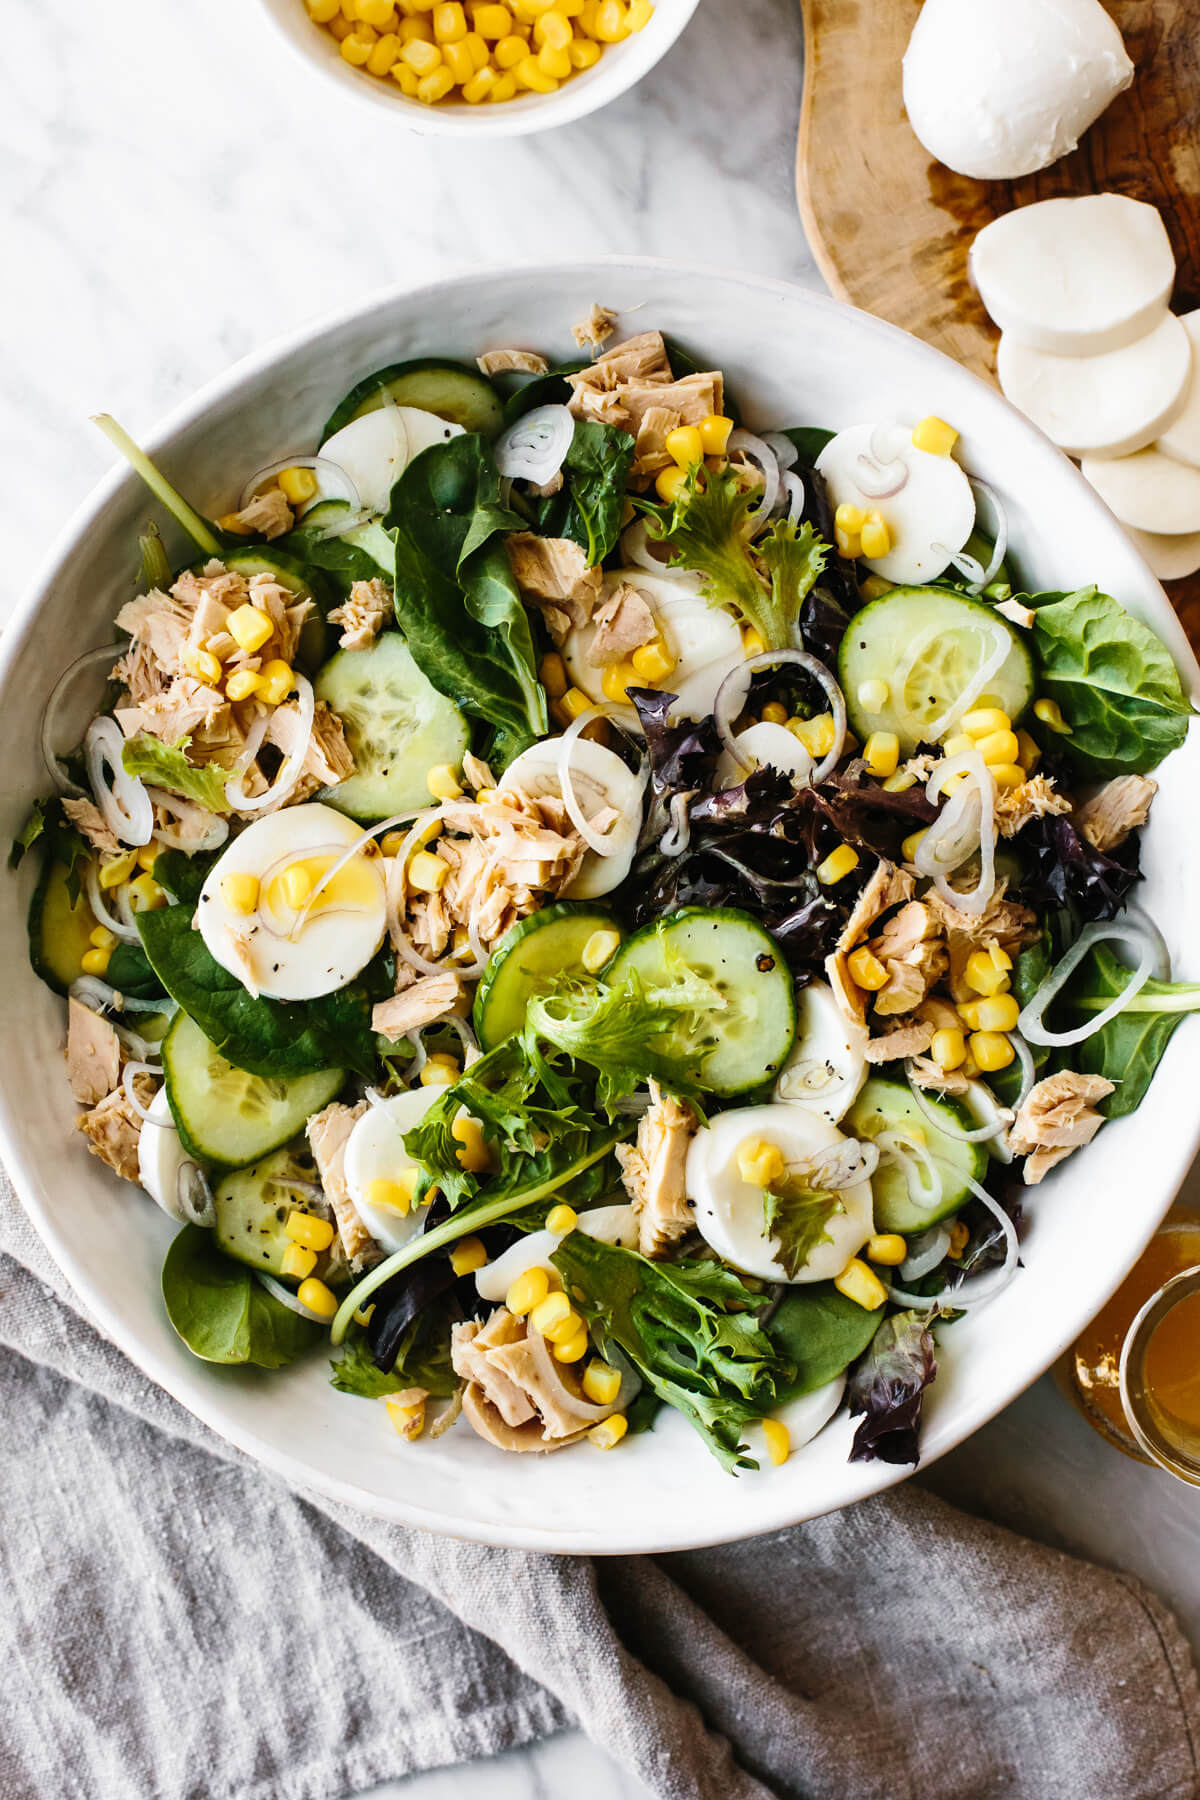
(362, 616)
(910, 949)
(1120, 807)
(623, 624)
(504, 362)
(1036, 798)
(328, 1133)
(886, 888)
(88, 820)
(908, 1037)
(266, 515)
(594, 332)
(113, 1128)
(513, 1397)
(553, 573)
(427, 999)
(653, 1170)
(1058, 1116)
(632, 386)
(93, 1054)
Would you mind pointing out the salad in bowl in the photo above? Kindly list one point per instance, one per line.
(575, 906)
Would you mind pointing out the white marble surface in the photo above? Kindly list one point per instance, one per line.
(177, 193)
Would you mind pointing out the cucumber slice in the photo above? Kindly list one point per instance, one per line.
(227, 1116)
(397, 726)
(753, 1033)
(252, 1206)
(370, 538)
(527, 960)
(304, 583)
(889, 1106)
(452, 390)
(59, 929)
(926, 644)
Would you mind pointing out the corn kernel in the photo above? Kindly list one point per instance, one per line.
(422, 59)
(321, 11)
(458, 59)
(383, 56)
(888, 1249)
(991, 1051)
(276, 680)
(1007, 775)
(427, 873)
(984, 720)
(393, 1196)
(531, 75)
(249, 627)
(584, 54)
(1029, 754)
(555, 63)
(911, 845)
(575, 702)
(616, 679)
(94, 962)
(553, 29)
(449, 22)
(881, 753)
(145, 895)
(554, 1311)
(1000, 957)
(147, 856)
(242, 683)
(379, 13)
(861, 1284)
(435, 86)
(357, 46)
(714, 429)
(948, 1048)
(573, 1349)
(608, 1434)
(875, 537)
(298, 1261)
(900, 782)
(752, 643)
(305, 1228)
(468, 1255)
(849, 518)
(640, 14)
(968, 1015)
(837, 865)
(685, 445)
(472, 1152)
(759, 1162)
(653, 662)
(102, 938)
(934, 436)
(774, 713)
(492, 22)
(440, 1070)
(202, 665)
(339, 28)
(848, 543)
(552, 674)
(983, 975)
(958, 745)
(960, 1237)
(118, 869)
(873, 696)
(526, 1292)
(601, 1382)
(561, 1219)
(479, 87)
(999, 747)
(600, 949)
(998, 1013)
(509, 52)
(443, 782)
(416, 31)
(317, 1297)
(670, 483)
(408, 1421)
(777, 1440)
(866, 970)
(1050, 714)
(815, 734)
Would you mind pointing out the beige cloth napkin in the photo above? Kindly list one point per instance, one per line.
(178, 1623)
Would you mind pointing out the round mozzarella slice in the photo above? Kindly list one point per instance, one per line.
(426, 428)
(607, 1224)
(375, 1152)
(161, 1156)
(1075, 276)
(828, 1064)
(703, 639)
(764, 746)
(729, 1211)
(599, 779)
(377, 448)
(930, 518)
(270, 951)
(1181, 439)
(804, 1417)
(1149, 490)
(1105, 405)
(1171, 558)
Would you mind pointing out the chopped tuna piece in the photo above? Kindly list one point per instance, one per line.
(1058, 1116)
(504, 362)
(1121, 806)
(93, 1054)
(653, 1171)
(362, 616)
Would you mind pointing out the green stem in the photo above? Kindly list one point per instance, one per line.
(473, 1218)
(176, 505)
(1184, 998)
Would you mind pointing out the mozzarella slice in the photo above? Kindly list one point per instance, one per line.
(426, 428)
(376, 449)
(828, 1064)
(270, 951)
(1171, 558)
(764, 746)
(804, 1417)
(1076, 276)
(607, 1224)
(704, 640)
(598, 778)
(375, 1152)
(930, 518)
(161, 1156)
(729, 1211)
(1105, 405)
(1149, 490)
(999, 88)
(1181, 439)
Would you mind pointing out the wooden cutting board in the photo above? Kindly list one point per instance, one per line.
(890, 228)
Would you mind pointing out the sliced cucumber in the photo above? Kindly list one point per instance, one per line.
(887, 1105)
(59, 928)
(370, 538)
(303, 582)
(452, 390)
(754, 1030)
(527, 960)
(252, 1206)
(397, 726)
(926, 645)
(227, 1116)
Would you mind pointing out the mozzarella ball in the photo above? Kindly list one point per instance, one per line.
(828, 1064)
(929, 517)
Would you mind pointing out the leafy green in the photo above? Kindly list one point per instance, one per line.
(167, 766)
(797, 1218)
(182, 875)
(632, 1033)
(588, 507)
(41, 814)
(423, 1360)
(689, 1328)
(265, 1037)
(888, 1389)
(821, 1332)
(198, 529)
(549, 389)
(1130, 1047)
(708, 529)
(222, 1313)
(156, 569)
(342, 559)
(129, 972)
(456, 600)
(809, 440)
(1115, 682)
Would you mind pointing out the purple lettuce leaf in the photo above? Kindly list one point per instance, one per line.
(888, 1389)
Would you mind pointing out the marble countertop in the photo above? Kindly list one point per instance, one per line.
(179, 192)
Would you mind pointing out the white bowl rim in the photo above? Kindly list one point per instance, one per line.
(979, 1408)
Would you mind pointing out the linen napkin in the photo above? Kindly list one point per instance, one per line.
(178, 1623)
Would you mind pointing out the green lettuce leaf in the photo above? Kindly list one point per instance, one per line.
(423, 1360)
(588, 507)
(167, 766)
(632, 1034)
(1130, 1047)
(797, 1218)
(43, 813)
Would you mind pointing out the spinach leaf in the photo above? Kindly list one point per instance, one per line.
(222, 1313)
(809, 440)
(129, 972)
(167, 766)
(690, 1330)
(42, 813)
(797, 1218)
(1115, 682)
(588, 507)
(423, 1360)
(265, 1037)
(1130, 1047)
(821, 1332)
(48, 826)
(888, 1389)
(542, 390)
(342, 561)
(456, 601)
(182, 875)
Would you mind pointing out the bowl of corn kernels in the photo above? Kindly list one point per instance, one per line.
(497, 68)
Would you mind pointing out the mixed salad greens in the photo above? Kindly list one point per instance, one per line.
(587, 908)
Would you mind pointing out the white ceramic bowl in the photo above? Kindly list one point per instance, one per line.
(791, 357)
(618, 69)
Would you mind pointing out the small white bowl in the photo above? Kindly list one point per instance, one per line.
(620, 67)
(791, 357)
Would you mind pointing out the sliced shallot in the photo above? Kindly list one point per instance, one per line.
(121, 797)
(290, 769)
(534, 448)
(331, 473)
(1131, 931)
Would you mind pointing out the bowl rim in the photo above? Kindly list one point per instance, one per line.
(976, 1410)
(577, 99)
